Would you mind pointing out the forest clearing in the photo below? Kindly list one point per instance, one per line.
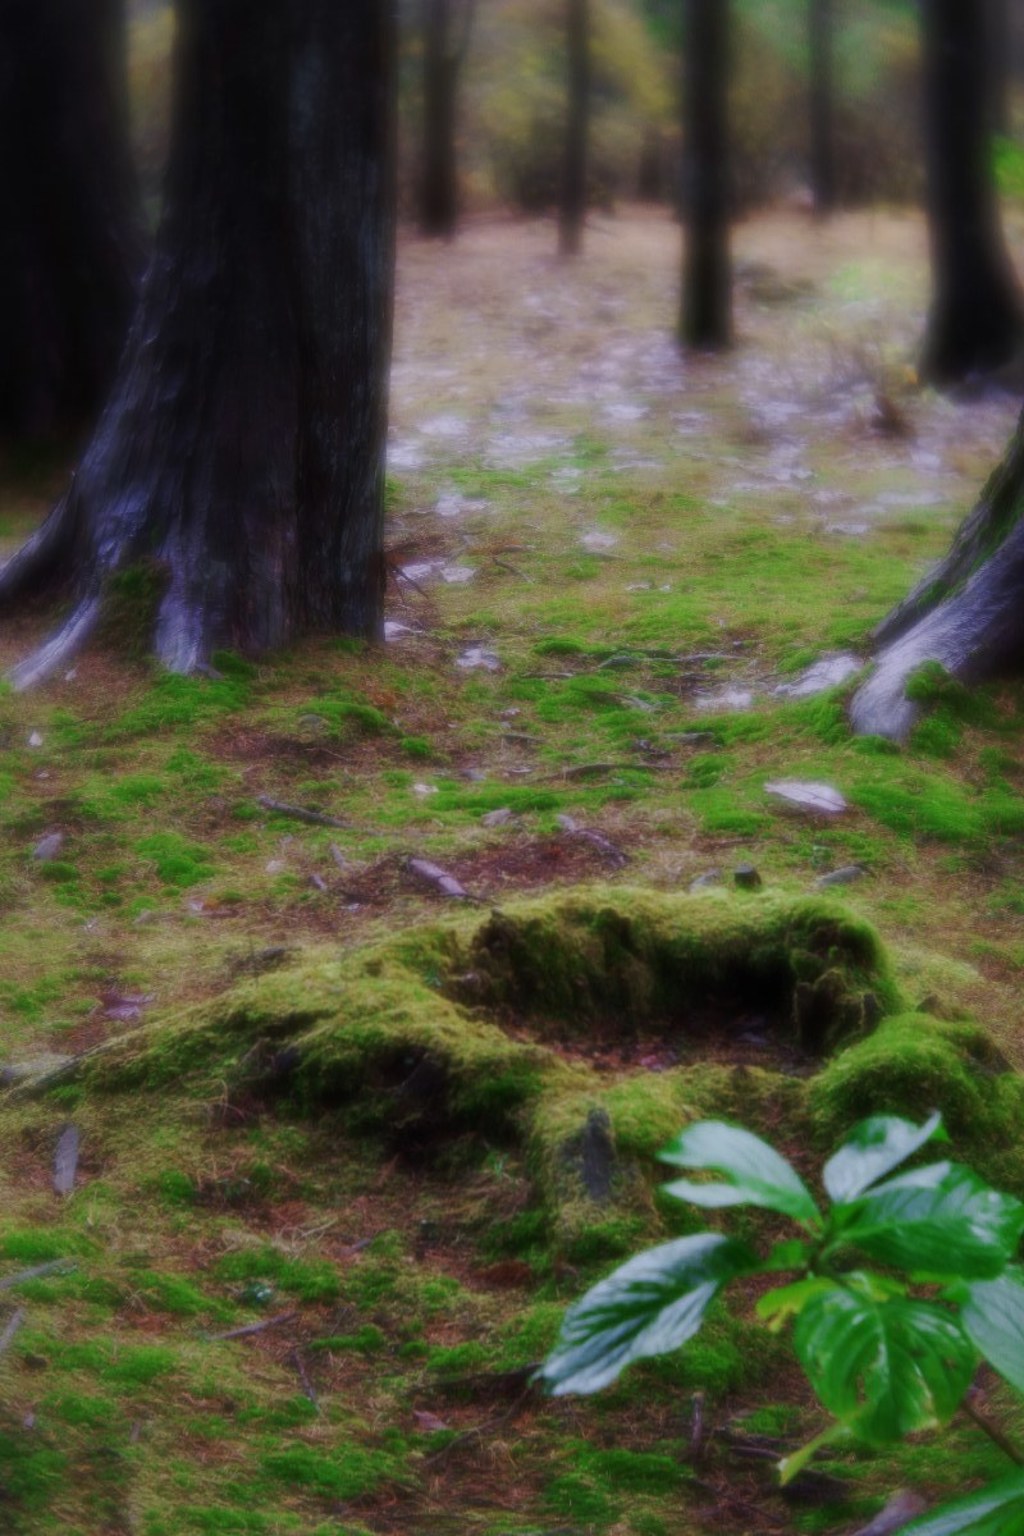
(297, 1278)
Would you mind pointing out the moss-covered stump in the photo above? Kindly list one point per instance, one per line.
(587, 1028)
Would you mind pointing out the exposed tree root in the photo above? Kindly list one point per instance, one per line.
(974, 634)
(60, 648)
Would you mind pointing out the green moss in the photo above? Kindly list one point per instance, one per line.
(308, 1281)
(176, 861)
(914, 1063)
(346, 1472)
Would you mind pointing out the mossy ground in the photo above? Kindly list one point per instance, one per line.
(642, 532)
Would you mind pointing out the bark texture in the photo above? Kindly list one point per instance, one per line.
(70, 236)
(241, 451)
(822, 86)
(967, 614)
(447, 27)
(706, 312)
(572, 211)
(976, 322)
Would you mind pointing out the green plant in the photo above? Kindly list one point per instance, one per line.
(894, 1292)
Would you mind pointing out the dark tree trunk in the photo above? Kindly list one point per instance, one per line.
(573, 207)
(967, 614)
(706, 311)
(70, 234)
(241, 452)
(976, 321)
(447, 25)
(1000, 65)
(823, 167)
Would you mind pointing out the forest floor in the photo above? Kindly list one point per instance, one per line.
(612, 568)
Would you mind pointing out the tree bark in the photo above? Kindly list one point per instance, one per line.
(976, 323)
(447, 25)
(967, 614)
(241, 452)
(1000, 65)
(706, 310)
(70, 236)
(823, 168)
(573, 207)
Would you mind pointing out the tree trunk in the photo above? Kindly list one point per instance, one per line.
(706, 311)
(573, 208)
(823, 169)
(1000, 64)
(446, 33)
(70, 234)
(967, 613)
(241, 452)
(976, 323)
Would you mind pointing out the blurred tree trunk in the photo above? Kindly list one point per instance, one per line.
(70, 234)
(447, 25)
(976, 322)
(967, 614)
(1000, 63)
(823, 167)
(706, 310)
(573, 208)
(240, 458)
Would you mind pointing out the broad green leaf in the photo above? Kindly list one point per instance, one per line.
(883, 1368)
(649, 1306)
(791, 1466)
(997, 1510)
(940, 1220)
(993, 1316)
(785, 1301)
(754, 1171)
(875, 1148)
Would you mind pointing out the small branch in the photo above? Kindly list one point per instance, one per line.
(53, 1267)
(513, 570)
(295, 1358)
(11, 1327)
(251, 1328)
(299, 813)
(994, 1433)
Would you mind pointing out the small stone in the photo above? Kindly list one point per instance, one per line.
(35, 740)
(48, 847)
(275, 866)
(499, 818)
(568, 823)
(590, 1154)
(845, 876)
(709, 878)
(478, 659)
(746, 877)
(424, 789)
(819, 799)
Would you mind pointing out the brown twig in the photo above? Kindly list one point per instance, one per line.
(251, 1328)
(300, 813)
(994, 1433)
(11, 1327)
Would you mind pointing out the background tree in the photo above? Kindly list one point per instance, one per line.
(70, 236)
(976, 322)
(820, 58)
(447, 27)
(573, 209)
(706, 311)
(967, 614)
(240, 457)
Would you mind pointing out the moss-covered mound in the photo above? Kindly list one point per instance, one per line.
(524, 1025)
